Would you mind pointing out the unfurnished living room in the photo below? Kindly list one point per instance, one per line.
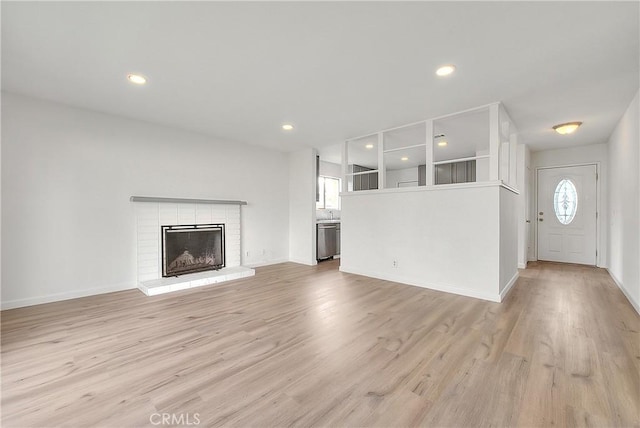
(327, 214)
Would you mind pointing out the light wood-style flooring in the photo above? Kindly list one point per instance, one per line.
(311, 346)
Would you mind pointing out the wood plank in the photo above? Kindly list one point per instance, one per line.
(311, 346)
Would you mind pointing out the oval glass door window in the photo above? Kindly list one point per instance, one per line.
(565, 201)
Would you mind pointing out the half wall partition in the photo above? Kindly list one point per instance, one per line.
(434, 204)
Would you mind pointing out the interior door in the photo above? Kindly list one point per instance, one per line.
(566, 214)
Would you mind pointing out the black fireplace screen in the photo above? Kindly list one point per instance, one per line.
(193, 248)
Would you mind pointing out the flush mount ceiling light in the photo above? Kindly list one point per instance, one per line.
(442, 143)
(404, 158)
(138, 79)
(287, 127)
(567, 128)
(369, 146)
(446, 70)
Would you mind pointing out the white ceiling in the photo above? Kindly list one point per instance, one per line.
(335, 70)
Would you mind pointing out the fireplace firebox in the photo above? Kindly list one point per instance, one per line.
(192, 248)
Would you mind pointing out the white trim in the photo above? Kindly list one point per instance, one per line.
(382, 176)
(600, 262)
(568, 165)
(266, 263)
(469, 110)
(345, 167)
(461, 159)
(429, 179)
(160, 200)
(437, 287)
(57, 297)
(370, 171)
(434, 187)
(522, 265)
(494, 143)
(509, 188)
(304, 262)
(386, 130)
(406, 182)
(509, 286)
(397, 149)
(445, 116)
(635, 305)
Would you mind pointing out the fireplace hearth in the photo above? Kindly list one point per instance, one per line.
(154, 257)
(192, 248)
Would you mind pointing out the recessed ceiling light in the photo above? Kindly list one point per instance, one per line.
(369, 146)
(442, 144)
(138, 79)
(567, 128)
(287, 127)
(446, 70)
(404, 158)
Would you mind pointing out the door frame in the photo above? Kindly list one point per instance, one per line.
(599, 262)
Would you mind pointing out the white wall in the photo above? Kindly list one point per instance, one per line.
(1, 174)
(330, 169)
(67, 175)
(393, 177)
(482, 169)
(596, 153)
(624, 200)
(523, 206)
(302, 206)
(442, 237)
(510, 214)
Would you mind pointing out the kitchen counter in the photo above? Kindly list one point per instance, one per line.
(327, 221)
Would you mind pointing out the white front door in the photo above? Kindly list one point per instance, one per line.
(566, 214)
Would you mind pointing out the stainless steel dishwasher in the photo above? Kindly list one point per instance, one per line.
(328, 240)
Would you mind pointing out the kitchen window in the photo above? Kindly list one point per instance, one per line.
(329, 193)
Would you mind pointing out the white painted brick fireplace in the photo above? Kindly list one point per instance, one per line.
(152, 213)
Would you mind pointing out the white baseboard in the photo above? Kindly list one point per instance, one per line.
(509, 286)
(30, 301)
(267, 263)
(635, 305)
(304, 262)
(438, 287)
(522, 265)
